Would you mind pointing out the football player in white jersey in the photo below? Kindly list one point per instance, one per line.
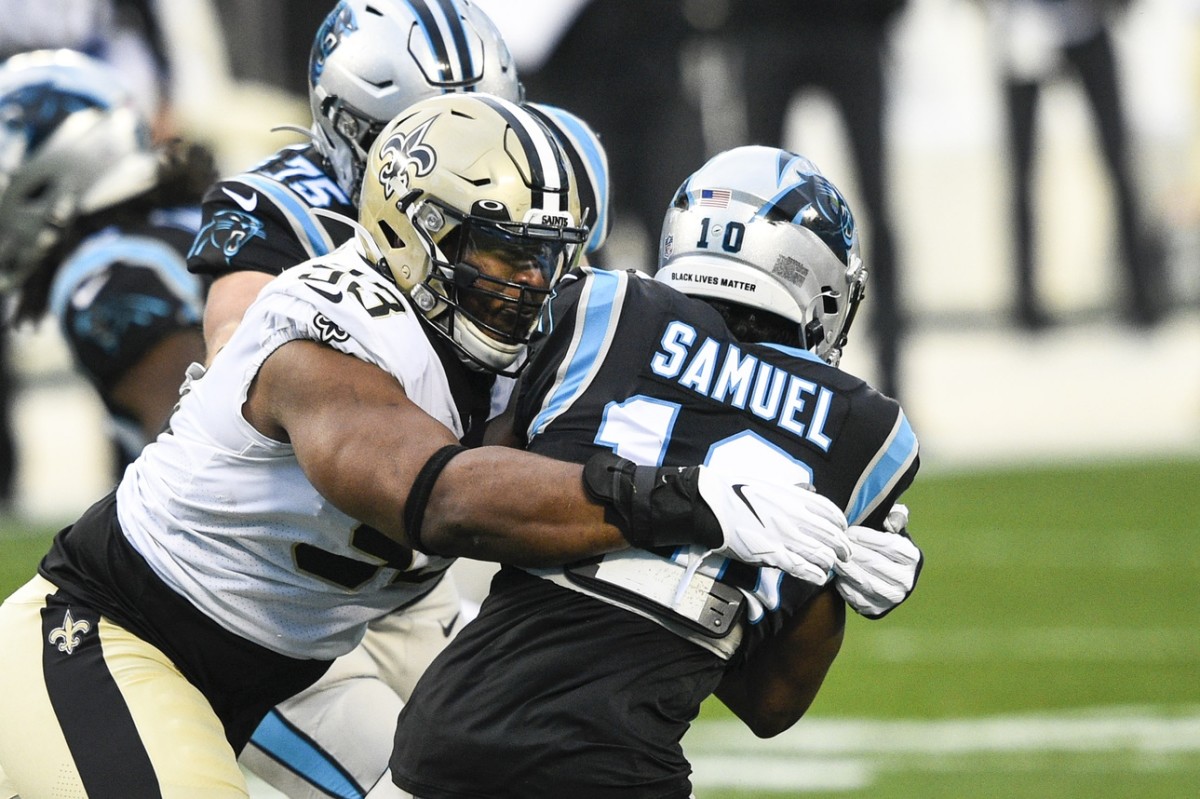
(335, 738)
(369, 60)
(312, 480)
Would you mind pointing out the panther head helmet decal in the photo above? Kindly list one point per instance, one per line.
(229, 232)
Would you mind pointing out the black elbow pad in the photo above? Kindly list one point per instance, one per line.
(652, 506)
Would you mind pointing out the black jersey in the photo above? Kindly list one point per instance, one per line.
(263, 219)
(631, 365)
(582, 680)
(120, 293)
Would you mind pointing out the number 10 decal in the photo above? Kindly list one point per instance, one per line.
(735, 234)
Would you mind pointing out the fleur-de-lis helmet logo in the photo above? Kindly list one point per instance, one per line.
(400, 152)
(68, 636)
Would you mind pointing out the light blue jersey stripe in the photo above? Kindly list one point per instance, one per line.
(301, 756)
(795, 352)
(592, 336)
(105, 249)
(312, 234)
(891, 463)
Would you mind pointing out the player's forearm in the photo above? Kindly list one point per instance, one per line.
(777, 685)
(381, 459)
(505, 505)
(149, 389)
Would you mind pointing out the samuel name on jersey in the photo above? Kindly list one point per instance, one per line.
(663, 389)
(720, 371)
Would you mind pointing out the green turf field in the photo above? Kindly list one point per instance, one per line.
(1051, 650)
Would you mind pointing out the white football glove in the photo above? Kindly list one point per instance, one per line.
(897, 519)
(789, 527)
(883, 567)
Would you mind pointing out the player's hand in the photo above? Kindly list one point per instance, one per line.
(883, 568)
(789, 527)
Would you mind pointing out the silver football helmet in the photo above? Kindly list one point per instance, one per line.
(589, 162)
(762, 227)
(468, 202)
(373, 58)
(72, 142)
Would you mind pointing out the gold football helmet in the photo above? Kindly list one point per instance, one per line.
(471, 207)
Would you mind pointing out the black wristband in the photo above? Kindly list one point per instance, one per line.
(651, 506)
(422, 487)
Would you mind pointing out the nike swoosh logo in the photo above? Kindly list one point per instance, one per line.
(247, 204)
(737, 489)
(448, 628)
(331, 296)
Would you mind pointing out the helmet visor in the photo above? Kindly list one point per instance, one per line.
(546, 248)
(499, 273)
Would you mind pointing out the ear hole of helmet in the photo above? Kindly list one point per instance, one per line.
(390, 235)
(829, 300)
(38, 190)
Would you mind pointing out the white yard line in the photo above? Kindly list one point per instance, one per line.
(846, 754)
(849, 754)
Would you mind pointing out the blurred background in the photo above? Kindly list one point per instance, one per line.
(666, 84)
(1027, 184)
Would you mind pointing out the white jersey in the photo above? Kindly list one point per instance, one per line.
(225, 516)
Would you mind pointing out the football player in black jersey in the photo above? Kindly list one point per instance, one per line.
(95, 224)
(369, 61)
(582, 680)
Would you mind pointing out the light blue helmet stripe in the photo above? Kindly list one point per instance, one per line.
(595, 162)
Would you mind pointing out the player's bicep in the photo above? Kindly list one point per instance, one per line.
(228, 299)
(359, 438)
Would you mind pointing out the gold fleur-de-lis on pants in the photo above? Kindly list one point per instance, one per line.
(67, 636)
